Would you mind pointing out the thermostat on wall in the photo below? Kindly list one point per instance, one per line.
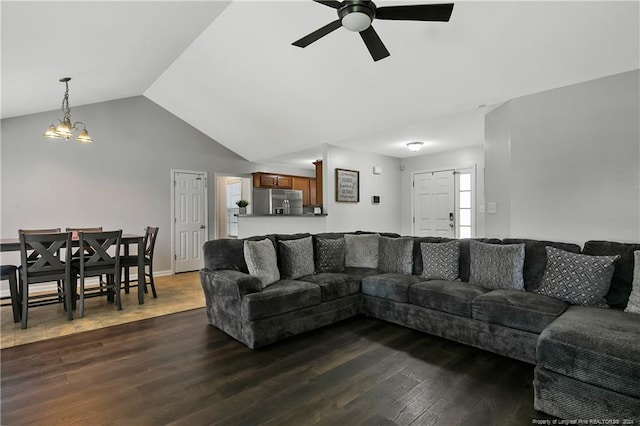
(375, 199)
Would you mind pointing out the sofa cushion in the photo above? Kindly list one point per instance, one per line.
(280, 297)
(522, 310)
(360, 273)
(597, 346)
(578, 279)
(395, 255)
(389, 286)
(454, 297)
(262, 261)
(634, 299)
(465, 254)
(296, 258)
(224, 254)
(417, 252)
(361, 251)
(329, 254)
(623, 274)
(535, 258)
(440, 260)
(497, 266)
(334, 285)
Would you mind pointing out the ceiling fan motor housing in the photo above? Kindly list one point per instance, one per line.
(357, 15)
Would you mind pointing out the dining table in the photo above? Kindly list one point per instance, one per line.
(13, 244)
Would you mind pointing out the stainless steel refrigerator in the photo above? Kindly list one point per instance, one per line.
(277, 201)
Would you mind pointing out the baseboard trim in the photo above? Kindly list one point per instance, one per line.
(48, 287)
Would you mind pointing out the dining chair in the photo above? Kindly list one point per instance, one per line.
(45, 257)
(9, 272)
(128, 262)
(99, 263)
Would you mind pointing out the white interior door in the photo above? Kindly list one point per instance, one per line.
(434, 204)
(190, 216)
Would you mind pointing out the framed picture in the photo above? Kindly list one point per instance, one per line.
(347, 186)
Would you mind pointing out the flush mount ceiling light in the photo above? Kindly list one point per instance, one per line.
(64, 128)
(415, 146)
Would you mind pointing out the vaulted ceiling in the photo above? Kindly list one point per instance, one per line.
(229, 69)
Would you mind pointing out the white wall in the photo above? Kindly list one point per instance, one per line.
(383, 217)
(449, 160)
(574, 162)
(122, 181)
(497, 177)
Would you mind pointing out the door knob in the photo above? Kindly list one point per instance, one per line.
(451, 225)
(202, 227)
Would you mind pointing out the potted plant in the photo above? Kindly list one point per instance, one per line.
(242, 206)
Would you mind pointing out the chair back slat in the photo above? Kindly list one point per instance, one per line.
(43, 253)
(39, 231)
(34, 255)
(99, 243)
(83, 250)
(150, 240)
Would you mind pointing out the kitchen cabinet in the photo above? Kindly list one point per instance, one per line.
(268, 180)
(302, 184)
(311, 187)
(313, 199)
(318, 165)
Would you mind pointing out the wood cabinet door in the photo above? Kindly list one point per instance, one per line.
(283, 182)
(312, 192)
(269, 181)
(302, 184)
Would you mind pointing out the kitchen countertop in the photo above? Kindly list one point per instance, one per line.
(283, 215)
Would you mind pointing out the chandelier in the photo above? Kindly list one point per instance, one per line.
(65, 129)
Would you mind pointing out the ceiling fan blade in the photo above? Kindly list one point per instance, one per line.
(418, 12)
(374, 44)
(331, 3)
(317, 34)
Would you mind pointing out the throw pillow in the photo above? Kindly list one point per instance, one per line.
(361, 251)
(440, 260)
(634, 299)
(496, 266)
(329, 254)
(296, 258)
(261, 260)
(395, 255)
(578, 279)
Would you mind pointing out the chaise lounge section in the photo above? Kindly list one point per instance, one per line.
(587, 358)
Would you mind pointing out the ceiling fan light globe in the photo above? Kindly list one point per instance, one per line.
(356, 21)
(415, 146)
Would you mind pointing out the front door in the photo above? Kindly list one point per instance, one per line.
(190, 217)
(434, 204)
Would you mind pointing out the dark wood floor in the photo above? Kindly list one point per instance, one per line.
(177, 369)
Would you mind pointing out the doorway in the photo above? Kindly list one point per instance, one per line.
(229, 190)
(189, 221)
(443, 203)
(434, 204)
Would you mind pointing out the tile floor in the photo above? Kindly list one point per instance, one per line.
(176, 293)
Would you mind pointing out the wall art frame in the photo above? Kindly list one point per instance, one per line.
(347, 186)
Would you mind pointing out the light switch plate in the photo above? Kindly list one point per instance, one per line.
(492, 208)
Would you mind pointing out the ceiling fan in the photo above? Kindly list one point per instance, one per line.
(357, 16)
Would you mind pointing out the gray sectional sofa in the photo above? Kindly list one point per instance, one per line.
(587, 359)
